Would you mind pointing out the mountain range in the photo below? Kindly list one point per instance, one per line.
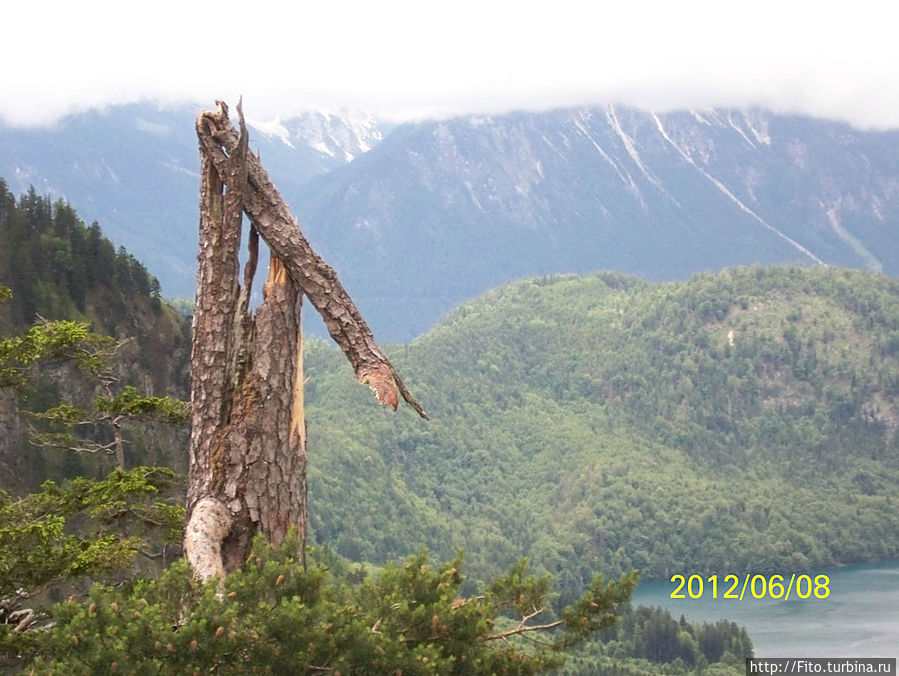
(422, 216)
(135, 169)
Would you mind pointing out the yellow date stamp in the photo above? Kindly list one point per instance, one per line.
(755, 586)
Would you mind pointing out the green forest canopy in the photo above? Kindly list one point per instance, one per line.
(744, 420)
(119, 295)
(59, 268)
(739, 421)
(54, 262)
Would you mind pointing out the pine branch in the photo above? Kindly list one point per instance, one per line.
(524, 627)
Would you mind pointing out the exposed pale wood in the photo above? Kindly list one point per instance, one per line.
(209, 524)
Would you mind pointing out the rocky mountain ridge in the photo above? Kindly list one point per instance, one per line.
(434, 212)
(135, 169)
(440, 211)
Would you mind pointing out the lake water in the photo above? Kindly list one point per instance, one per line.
(860, 618)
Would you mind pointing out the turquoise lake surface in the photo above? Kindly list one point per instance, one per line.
(860, 618)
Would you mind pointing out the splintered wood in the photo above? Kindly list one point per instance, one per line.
(248, 436)
(271, 217)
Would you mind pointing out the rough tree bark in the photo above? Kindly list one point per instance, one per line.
(248, 441)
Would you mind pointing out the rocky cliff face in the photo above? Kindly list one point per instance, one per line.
(442, 210)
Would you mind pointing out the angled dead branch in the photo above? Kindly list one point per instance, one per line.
(270, 216)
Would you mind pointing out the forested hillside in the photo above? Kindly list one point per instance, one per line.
(739, 421)
(58, 268)
(55, 538)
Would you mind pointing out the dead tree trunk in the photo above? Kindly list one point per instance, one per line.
(248, 440)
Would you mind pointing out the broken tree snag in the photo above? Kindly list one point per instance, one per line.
(211, 365)
(248, 437)
(267, 465)
(317, 280)
(256, 472)
(212, 368)
(247, 460)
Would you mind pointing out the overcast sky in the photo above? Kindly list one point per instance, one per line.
(410, 59)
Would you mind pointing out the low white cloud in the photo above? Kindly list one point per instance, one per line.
(406, 59)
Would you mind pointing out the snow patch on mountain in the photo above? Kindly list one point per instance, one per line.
(176, 167)
(631, 149)
(757, 122)
(724, 189)
(343, 134)
(474, 198)
(854, 243)
(628, 143)
(272, 129)
(739, 130)
(623, 173)
(154, 128)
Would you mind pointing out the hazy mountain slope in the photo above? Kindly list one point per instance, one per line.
(135, 169)
(440, 211)
(443, 210)
(742, 421)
